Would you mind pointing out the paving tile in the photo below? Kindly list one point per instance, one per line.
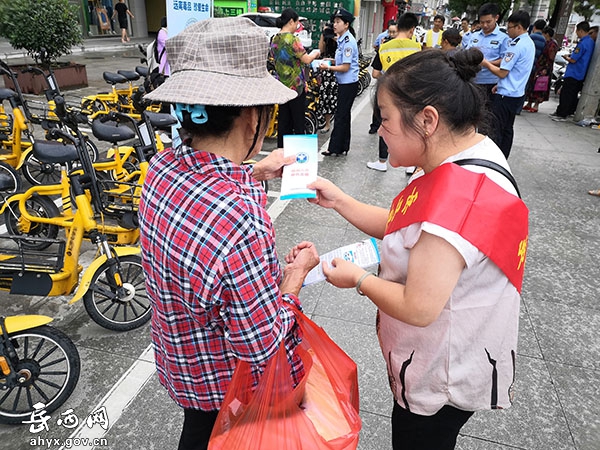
(376, 433)
(534, 422)
(578, 394)
(471, 443)
(528, 344)
(567, 334)
(153, 421)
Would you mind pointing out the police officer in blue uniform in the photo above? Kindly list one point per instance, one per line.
(513, 75)
(491, 41)
(346, 70)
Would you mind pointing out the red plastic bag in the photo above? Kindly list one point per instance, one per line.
(321, 413)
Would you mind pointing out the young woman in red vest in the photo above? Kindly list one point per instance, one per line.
(452, 252)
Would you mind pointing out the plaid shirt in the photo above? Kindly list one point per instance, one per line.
(212, 276)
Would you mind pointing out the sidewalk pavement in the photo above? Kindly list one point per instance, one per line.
(558, 365)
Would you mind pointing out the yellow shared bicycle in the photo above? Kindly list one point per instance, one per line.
(112, 287)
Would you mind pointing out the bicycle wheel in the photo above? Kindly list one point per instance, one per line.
(92, 149)
(110, 310)
(13, 180)
(361, 87)
(93, 107)
(367, 79)
(48, 366)
(38, 172)
(37, 206)
(310, 122)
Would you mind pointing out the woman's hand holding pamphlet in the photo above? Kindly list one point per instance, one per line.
(363, 254)
(316, 63)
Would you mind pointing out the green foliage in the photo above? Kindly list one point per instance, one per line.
(586, 8)
(471, 7)
(34, 25)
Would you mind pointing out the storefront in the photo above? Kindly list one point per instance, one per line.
(95, 17)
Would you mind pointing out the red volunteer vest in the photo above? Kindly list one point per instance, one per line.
(472, 205)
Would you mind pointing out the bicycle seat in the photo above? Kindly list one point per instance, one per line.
(6, 93)
(160, 120)
(129, 74)
(55, 152)
(111, 132)
(114, 78)
(143, 71)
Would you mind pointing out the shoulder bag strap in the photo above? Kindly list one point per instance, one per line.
(489, 165)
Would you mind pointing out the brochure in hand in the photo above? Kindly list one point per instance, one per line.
(316, 63)
(298, 175)
(363, 254)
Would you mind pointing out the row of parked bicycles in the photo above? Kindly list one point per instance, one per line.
(69, 195)
(59, 192)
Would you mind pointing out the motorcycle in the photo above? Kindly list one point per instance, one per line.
(558, 70)
(39, 367)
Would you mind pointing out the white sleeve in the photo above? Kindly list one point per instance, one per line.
(468, 251)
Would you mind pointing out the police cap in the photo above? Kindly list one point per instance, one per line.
(346, 16)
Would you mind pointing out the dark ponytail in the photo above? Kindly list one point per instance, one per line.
(286, 15)
(467, 63)
(445, 82)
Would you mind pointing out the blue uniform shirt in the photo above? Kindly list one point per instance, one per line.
(347, 53)
(493, 46)
(466, 39)
(380, 38)
(582, 56)
(518, 60)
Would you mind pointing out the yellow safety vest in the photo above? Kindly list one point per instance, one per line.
(429, 39)
(396, 49)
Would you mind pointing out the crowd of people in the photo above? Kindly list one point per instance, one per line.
(447, 290)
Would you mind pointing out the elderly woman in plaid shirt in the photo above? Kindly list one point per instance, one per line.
(217, 290)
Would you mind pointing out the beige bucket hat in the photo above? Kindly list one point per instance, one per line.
(221, 62)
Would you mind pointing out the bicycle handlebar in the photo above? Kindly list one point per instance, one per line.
(5, 69)
(60, 109)
(116, 116)
(68, 117)
(35, 70)
(56, 133)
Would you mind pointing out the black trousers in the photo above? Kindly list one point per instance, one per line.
(376, 120)
(438, 432)
(197, 426)
(383, 150)
(340, 136)
(569, 94)
(487, 127)
(290, 119)
(505, 110)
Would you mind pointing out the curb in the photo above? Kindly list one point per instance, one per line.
(10, 53)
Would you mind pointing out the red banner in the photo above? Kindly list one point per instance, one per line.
(470, 204)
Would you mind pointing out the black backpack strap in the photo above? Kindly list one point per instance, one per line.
(489, 165)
